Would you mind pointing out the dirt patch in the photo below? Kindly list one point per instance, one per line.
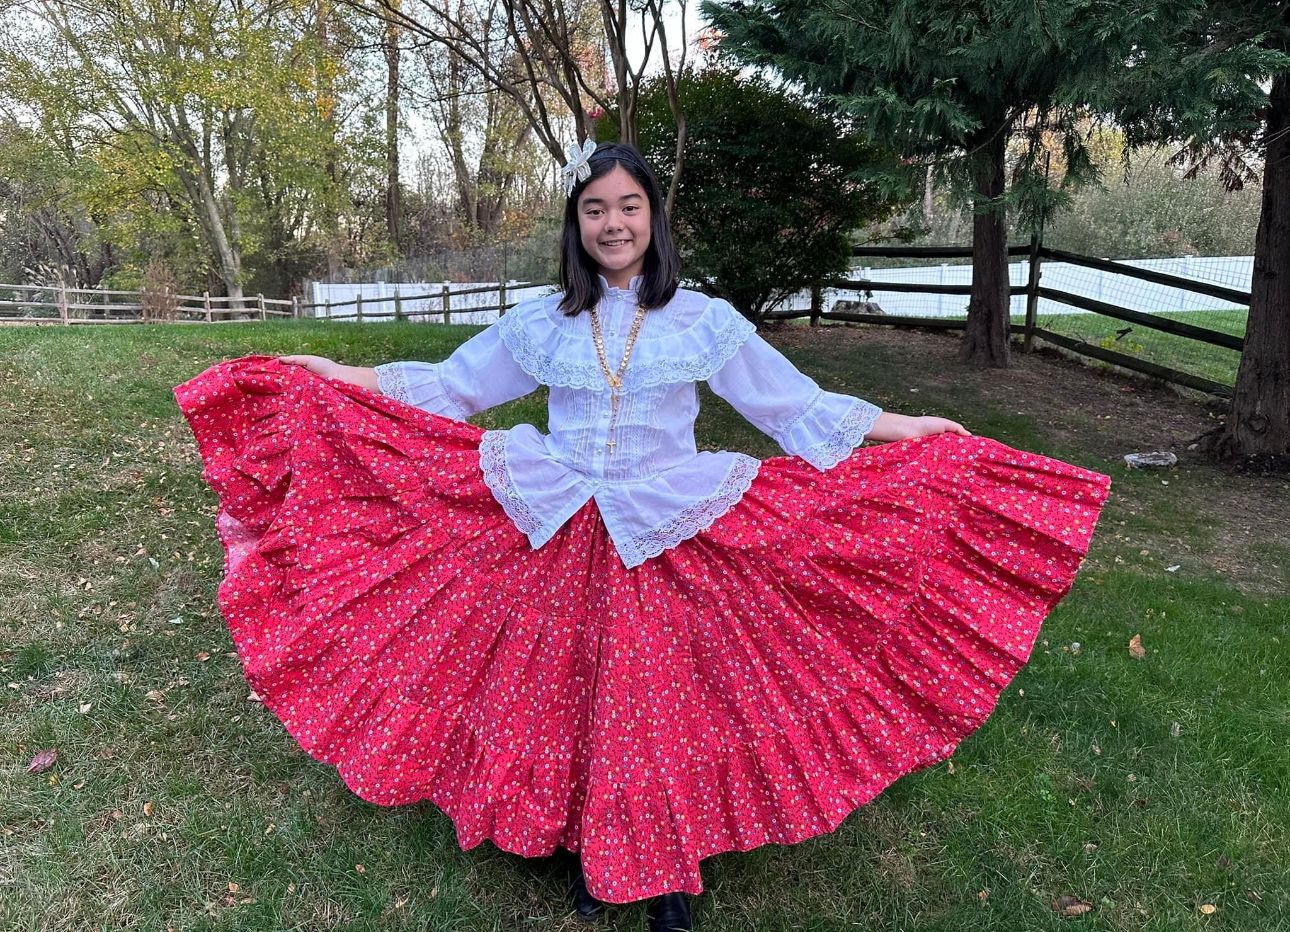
(1236, 523)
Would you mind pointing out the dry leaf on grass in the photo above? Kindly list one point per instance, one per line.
(1069, 906)
(1136, 650)
(43, 760)
(1208, 909)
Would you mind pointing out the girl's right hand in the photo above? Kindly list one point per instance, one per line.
(361, 376)
(318, 365)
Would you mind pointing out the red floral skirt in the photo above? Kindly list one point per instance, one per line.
(757, 683)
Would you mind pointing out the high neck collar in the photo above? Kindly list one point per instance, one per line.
(632, 288)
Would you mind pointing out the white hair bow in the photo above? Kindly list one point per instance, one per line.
(578, 168)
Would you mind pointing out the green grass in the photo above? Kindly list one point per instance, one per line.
(108, 570)
(1194, 357)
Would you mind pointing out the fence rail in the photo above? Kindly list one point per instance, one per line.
(1183, 329)
(1201, 352)
(57, 304)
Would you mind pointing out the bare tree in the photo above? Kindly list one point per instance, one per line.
(552, 57)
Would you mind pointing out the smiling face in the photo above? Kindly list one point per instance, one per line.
(614, 225)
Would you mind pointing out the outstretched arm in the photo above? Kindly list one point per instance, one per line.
(820, 426)
(479, 374)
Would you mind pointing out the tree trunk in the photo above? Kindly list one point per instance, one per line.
(985, 340)
(1258, 421)
(393, 195)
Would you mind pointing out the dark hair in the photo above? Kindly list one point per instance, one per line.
(579, 274)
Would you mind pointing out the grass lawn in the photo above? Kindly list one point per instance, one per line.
(1156, 790)
(1216, 363)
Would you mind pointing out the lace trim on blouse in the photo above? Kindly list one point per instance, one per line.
(697, 517)
(848, 435)
(492, 462)
(690, 355)
(392, 380)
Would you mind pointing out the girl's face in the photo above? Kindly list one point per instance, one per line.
(614, 224)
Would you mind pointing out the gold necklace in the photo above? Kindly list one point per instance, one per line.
(615, 380)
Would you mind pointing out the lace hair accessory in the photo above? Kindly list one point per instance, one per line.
(578, 168)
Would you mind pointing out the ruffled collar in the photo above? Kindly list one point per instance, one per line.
(632, 288)
(559, 350)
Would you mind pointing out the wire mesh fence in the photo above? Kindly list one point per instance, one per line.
(1181, 318)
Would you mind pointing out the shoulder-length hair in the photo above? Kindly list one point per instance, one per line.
(580, 275)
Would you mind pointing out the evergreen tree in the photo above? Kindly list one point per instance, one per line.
(950, 79)
(1215, 76)
(772, 187)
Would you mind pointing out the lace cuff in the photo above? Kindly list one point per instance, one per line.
(419, 384)
(695, 518)
(497, 476)
(848, 435)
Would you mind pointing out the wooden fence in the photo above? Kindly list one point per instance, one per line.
(58, 304)
(69, 306)
(1033, 290)
(443, 295)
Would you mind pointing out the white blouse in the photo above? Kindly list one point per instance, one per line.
(652, 486)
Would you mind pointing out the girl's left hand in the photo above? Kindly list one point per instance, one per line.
(890, 427)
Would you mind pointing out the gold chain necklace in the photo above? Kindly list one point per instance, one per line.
(615, 380)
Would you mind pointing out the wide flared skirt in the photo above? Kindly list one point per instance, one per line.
(829, 634)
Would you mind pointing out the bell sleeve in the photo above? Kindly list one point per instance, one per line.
(787, 405)
(478, 375)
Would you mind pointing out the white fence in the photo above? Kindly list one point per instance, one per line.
(1134, 294)
(419, 301)
(425, 301)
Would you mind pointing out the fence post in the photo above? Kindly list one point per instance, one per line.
(206, 303)
(1032, 295)
(295, 307)
(358, 307)
(817, 304)
(447, 304)
(260, 300)
(501, 298)
(398, 305)
(62, 303)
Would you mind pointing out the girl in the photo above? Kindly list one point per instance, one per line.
(600, 639)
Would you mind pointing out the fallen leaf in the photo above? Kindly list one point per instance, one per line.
(1089, 847)
(233, 887)
(43, 760)
(156, 695)
(203, 656)
(84, 707)
(1068, 905)
(360, 868)
(1136, 650)
(1173, 569)
(147, 808)
(1175, 730)
(1208, 909)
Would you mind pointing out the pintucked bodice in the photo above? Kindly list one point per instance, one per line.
(651, 484)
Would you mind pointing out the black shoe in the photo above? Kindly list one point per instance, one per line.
(669, 913)
(585, 906)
